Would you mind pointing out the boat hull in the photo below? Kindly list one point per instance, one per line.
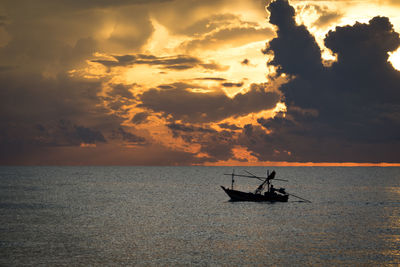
(236, 195)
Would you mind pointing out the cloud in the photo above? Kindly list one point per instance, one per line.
(303, 57)
(375, 39)
(87, 135)
(179, 127)
(131, 138)
(36, 136)
(211, 79)
(182, 104)
(337, 113)
(68, 6)
(199, 17)
(140, 117)
(122, 90)
(131, 30)
(216, 145)
(235, 36)
(229, 84)
(52, 101)
(212, 23)
(179, 62)
(39, 112)
(105, 154)
(326, 16)
(54, 36)
(218, 148)
(245, 61)
(45, 56)
(47, 98)
(229, 126)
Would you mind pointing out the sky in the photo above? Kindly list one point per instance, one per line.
(186, 82)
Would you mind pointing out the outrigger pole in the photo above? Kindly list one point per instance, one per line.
(300, 198)
(255, 177)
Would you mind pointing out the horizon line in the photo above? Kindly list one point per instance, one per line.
(226, 164)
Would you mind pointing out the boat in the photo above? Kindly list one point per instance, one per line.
(271, 194)
(236, 195)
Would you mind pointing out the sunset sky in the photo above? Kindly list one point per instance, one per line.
(189, 82)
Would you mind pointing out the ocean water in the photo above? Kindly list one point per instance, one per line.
(179, 216)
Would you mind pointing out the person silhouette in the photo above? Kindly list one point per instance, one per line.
(272, 189)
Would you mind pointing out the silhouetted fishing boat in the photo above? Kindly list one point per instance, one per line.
(272, 194)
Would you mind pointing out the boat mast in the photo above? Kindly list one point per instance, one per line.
(233, 175)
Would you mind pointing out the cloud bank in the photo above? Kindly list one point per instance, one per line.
(346, 112)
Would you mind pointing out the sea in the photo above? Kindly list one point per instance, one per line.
(180, 216)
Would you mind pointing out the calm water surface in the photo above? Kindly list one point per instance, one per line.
(164, 216)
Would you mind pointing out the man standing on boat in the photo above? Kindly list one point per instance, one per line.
(272, 189)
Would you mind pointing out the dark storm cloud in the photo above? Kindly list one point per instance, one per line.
(295, 49)
(337, 113)
(179, 62)
(122, 90)
(182, 104)
(257, 142)
(68, 112)
(59, 133)
(364, 43)
(188, 128)
(229, 84)
(117, 106)
(229, 126)
(131, 138)
(87, 135)
(46, 99)
(37, 92)
(140, 117)
(218, 148)
(165, 87)
(217, 145)
(211, 79)
(245, 61)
